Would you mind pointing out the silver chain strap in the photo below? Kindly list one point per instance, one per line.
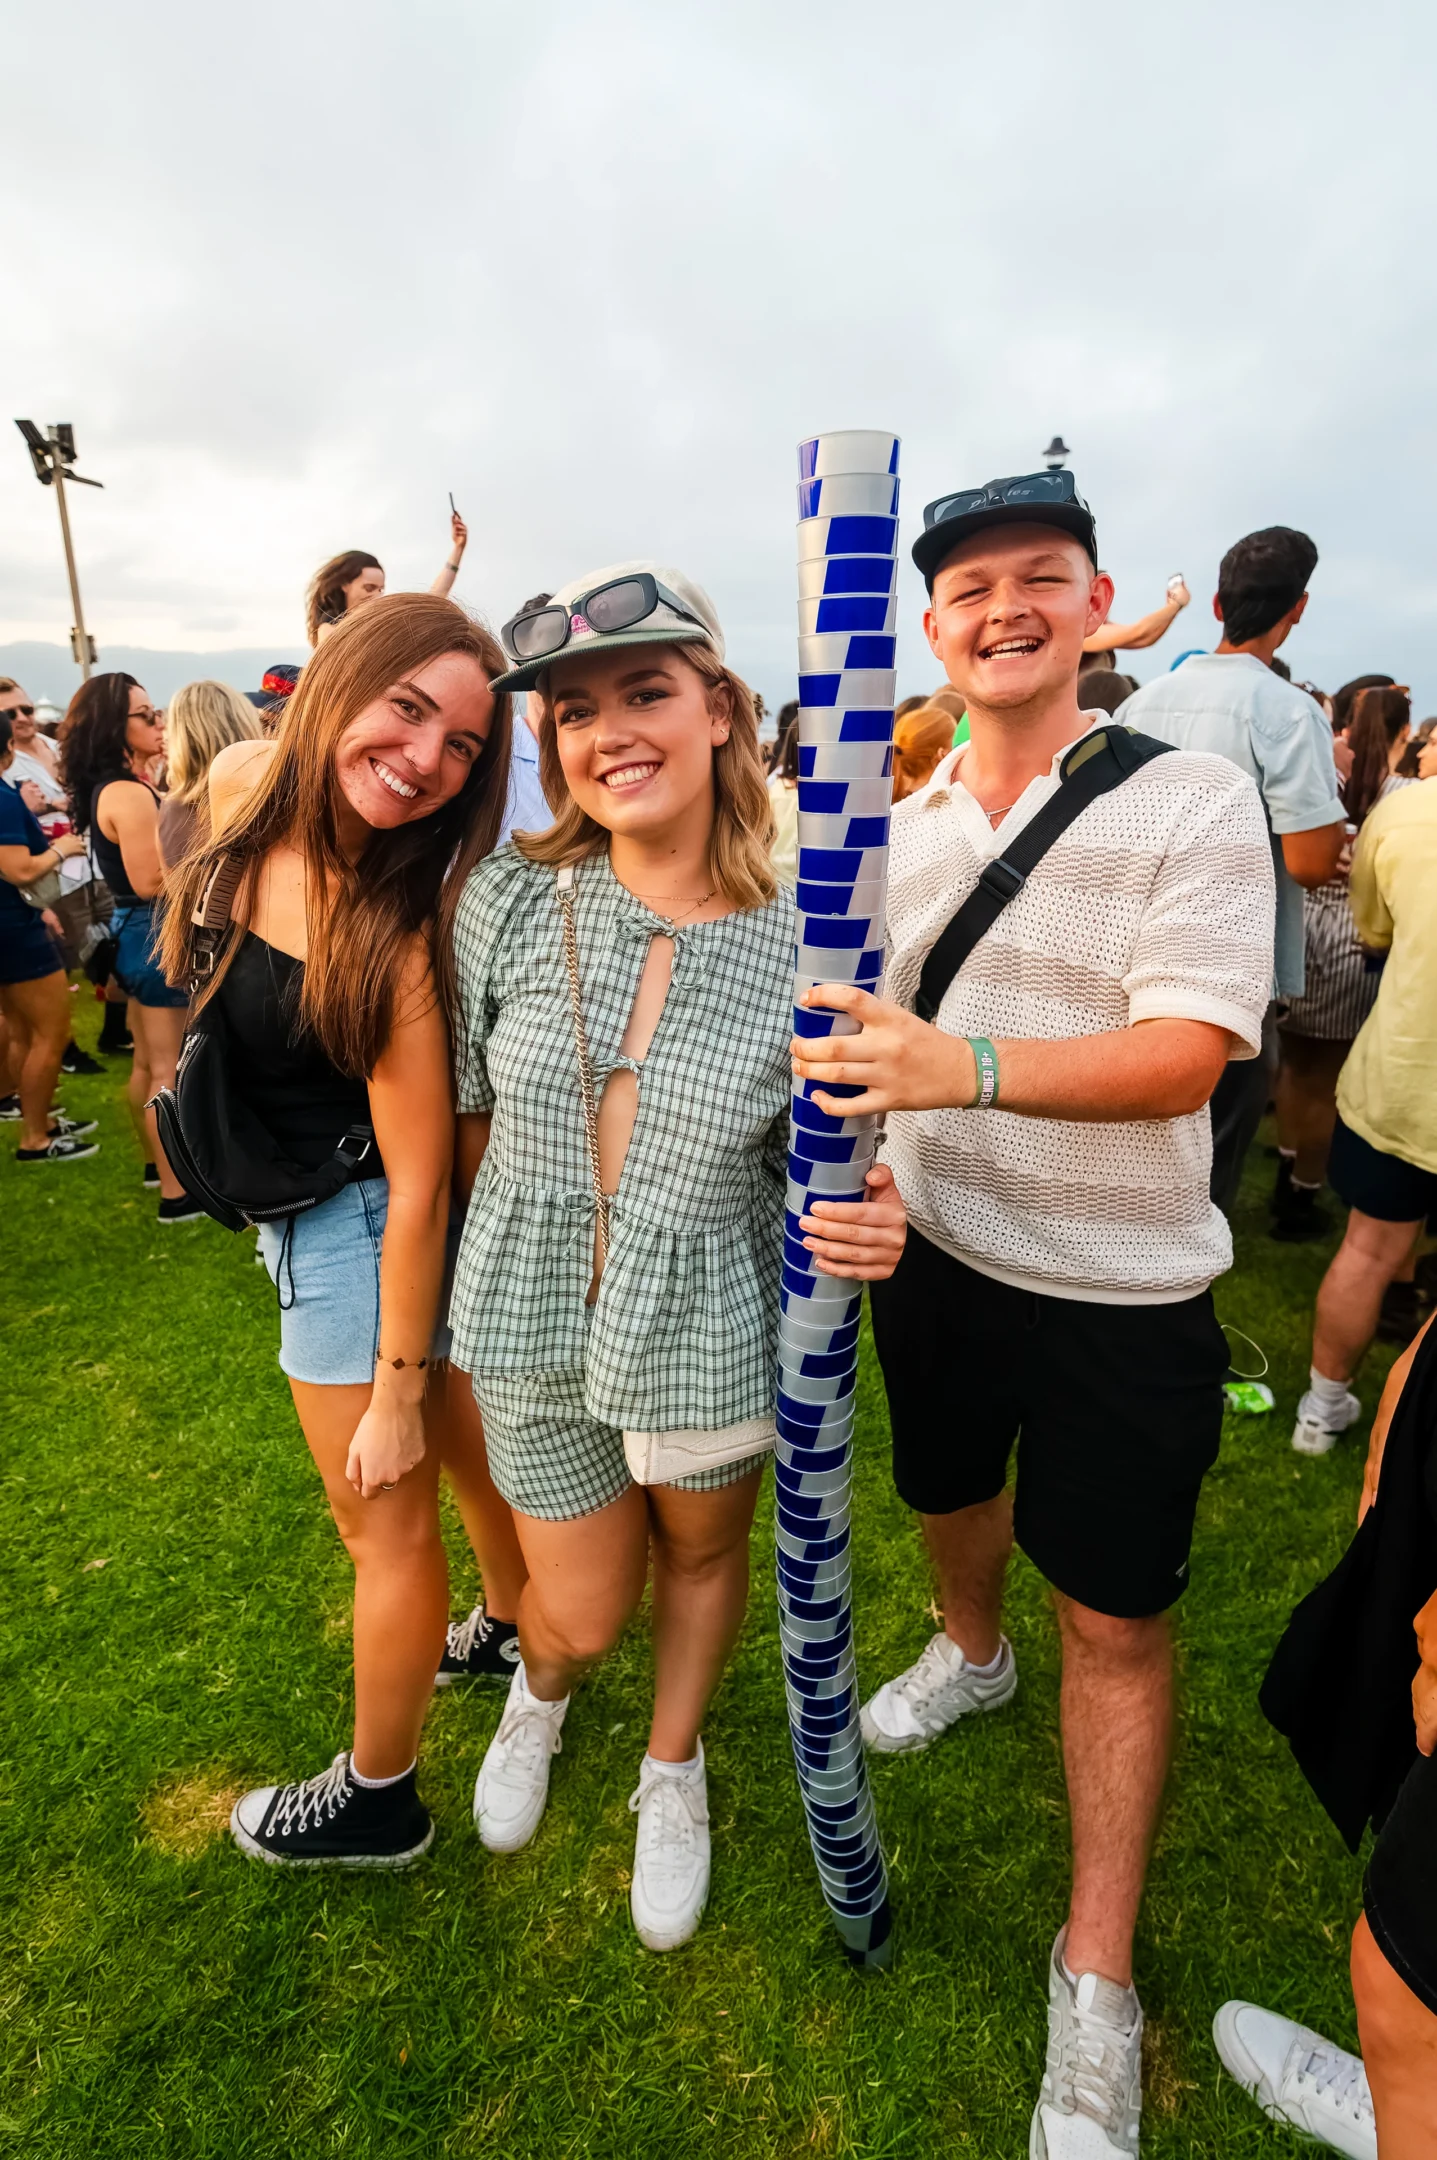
(565, 884)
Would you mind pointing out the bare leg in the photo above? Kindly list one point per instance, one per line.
(1399, 2050)
(585, 1581)
(138, 1089)
(1350, 1298)
(39, 1015)
(401, 1581)
(700, 1546)
(969, 1550)
(1307, 1101)
(1117, 1712)
(164, 1026)
(452, 1414)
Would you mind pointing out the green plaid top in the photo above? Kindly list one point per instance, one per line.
(684, 1330)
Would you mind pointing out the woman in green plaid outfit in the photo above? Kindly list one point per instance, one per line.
(622, 1348)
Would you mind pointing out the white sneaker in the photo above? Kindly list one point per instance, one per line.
(1297, 2077)
(908, 1712)
(513, 1782)
(671, 1852)
(1091, 2101)
(1314, 1433)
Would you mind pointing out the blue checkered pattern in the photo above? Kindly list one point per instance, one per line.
(847, 537)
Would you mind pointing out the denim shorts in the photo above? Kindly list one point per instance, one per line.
(136, 926)
(325, 1266)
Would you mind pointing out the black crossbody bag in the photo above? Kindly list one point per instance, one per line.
(1093, 767)
(219, 1150)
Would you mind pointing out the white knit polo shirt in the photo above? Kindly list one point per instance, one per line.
(1156, 903)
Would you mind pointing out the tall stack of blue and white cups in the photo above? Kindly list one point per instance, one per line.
(847, 563)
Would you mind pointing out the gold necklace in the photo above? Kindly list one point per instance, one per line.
(690, 907)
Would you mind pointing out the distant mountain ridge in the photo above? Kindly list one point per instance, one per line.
(48, 671)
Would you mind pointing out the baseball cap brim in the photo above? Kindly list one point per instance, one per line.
(527, 676)
(937, 542)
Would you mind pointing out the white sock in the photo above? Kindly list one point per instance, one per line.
(953, 1650)
(1287, 1154)
(1327, 1394)
(526, 1693)
(690, 1768)
(375, 1784)
(1303, 1185)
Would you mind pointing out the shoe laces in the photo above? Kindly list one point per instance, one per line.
(1095, 2069)
(465, 1634)
(528, 1736)
(668, 1816)
(302, 1807)
(931, 1678)
(1340, 2077)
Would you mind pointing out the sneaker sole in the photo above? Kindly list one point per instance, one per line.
(510, 1844)
(253, 1850)
(168, 1222)
(879, 1743)
(1310, 1439)
(79, 1154)
(658, 1941)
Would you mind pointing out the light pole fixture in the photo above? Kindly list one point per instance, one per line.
(53, 457)
(1056, 456)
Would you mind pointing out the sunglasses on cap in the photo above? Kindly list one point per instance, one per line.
(537, 633)
(1029, 488)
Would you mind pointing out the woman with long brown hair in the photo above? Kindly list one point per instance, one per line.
(351, 580)
(109, 739)
(1319, 1028)
(352, 836)
(626, 983)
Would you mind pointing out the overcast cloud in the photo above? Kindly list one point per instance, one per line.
(294, 272)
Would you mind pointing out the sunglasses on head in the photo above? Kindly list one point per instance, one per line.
(537, 633)
(1048, 487)
(22, 712)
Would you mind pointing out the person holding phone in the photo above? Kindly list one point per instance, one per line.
(351, 580)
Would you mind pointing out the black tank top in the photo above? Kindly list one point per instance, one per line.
(295, 1090)
(108, 860)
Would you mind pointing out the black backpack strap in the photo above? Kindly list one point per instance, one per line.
(211, 920)
(1100, 762)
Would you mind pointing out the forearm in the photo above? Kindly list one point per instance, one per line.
(411, 1270)
(1134, 637)
(444, 584)
(1098, 1079)
(22, 869)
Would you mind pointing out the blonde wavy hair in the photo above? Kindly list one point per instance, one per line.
(739, 859)
(204, 718)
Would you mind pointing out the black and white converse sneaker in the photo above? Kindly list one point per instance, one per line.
(330, 1821)
(59, 1149)
(478, 1648)
(76, 1060)
(9, 1109)
(69, 1128)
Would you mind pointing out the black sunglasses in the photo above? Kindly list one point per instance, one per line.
(1048, 487)
(535, 634)
(9, 712)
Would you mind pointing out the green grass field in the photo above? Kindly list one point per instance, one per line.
(174, 1626)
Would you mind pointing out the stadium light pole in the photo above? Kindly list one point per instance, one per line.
(53, 457)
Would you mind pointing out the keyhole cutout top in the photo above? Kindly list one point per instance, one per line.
(619, 1103)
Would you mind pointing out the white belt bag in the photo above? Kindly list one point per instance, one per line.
(659, 1458)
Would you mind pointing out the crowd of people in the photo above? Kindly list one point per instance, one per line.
(488, 1014)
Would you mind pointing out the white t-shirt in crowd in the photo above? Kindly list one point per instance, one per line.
(1156, 903)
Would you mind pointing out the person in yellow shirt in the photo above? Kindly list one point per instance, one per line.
(1384, 1150)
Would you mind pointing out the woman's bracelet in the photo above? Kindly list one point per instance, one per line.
(452, 568)
(403, 1364)
(985, 1060)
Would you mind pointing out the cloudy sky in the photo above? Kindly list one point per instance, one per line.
(294, 272)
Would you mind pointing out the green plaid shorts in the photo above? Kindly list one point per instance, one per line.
(550, 1457)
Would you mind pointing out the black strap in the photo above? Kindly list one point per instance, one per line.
(1095, 765)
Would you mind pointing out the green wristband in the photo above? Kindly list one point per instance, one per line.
(985, 1057)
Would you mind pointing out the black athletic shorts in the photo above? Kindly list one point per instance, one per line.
(1119, 1408)
(1382, 1186)
(1400, 1893)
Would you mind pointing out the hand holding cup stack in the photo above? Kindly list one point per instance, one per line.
(847, 549)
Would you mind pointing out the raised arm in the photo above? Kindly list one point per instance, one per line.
(459, 540)
(1133, 637)
(411, 1104)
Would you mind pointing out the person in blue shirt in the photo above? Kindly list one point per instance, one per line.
(1231, 702)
